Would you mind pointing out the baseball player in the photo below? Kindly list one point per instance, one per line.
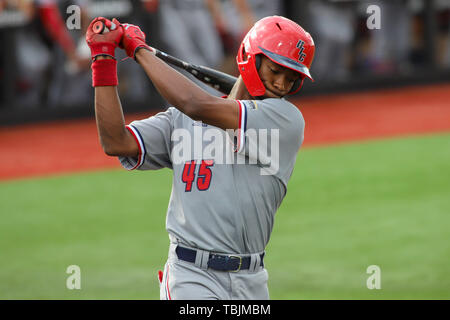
(221, 213)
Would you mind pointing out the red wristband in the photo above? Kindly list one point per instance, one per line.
(104, 73)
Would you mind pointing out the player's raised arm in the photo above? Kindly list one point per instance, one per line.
(114, 137)
(177, 89)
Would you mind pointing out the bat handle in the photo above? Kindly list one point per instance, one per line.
(99, 27)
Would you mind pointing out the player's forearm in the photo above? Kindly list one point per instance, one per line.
(113, 135)
(178, 90)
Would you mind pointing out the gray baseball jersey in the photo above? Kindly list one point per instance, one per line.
(226, 186)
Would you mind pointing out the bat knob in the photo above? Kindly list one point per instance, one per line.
(98, 27)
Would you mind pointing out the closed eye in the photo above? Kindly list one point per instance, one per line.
(274, 71)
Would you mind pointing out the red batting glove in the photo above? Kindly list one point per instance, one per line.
(104, 43)
(133, 39)
(104, 71)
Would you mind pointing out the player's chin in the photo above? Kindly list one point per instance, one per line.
(271, 94)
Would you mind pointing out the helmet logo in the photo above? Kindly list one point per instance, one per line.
(301, 55)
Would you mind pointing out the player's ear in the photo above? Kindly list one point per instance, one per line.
(258, 61)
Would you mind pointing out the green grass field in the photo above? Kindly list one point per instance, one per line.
(349, 206)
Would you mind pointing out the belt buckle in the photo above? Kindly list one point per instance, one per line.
(240, 263)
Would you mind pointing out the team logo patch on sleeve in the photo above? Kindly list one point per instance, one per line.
(252, 105)
(199, 124)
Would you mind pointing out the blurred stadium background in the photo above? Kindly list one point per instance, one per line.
(370, 187)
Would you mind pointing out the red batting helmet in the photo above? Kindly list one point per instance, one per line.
(281, 40)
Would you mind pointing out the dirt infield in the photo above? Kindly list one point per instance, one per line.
(72, 146)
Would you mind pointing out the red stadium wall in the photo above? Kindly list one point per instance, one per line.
(72, 146)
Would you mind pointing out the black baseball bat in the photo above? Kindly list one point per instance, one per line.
(218, 80)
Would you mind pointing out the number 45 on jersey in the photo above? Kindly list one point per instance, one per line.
(203, 175)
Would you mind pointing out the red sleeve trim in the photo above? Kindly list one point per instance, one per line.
(137, 137)
(241, 127)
